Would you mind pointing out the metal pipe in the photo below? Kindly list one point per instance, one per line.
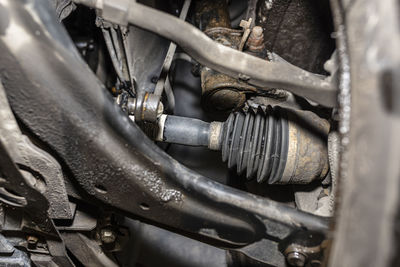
(113, 55)
(170, 55)
(170, 95)
(119, 49)
(234, 63)
(226, 60)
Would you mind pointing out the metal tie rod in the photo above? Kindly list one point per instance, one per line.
(218, 57)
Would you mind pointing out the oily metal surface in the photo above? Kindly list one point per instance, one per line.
(221, 93)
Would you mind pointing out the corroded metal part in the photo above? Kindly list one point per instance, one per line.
(225, 36)
(255, 71)
(304, 248)
(221, 93)
(307, 158)
(211, 14)
(255, 43)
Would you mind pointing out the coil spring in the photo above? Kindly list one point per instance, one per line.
(257, 141)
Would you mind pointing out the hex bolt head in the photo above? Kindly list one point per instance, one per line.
(107, 236)
(296, 259)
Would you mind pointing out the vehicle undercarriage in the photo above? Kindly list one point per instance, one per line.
(199, 133)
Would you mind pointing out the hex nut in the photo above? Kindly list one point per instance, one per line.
(107, 236)
(296, 259)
